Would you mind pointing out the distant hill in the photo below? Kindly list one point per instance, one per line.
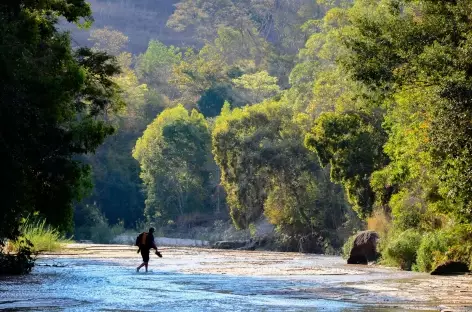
(140, 20)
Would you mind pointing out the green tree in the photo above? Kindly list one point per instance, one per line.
(117, 188)
(258, 86)
(108, 40)
(51, 106)
(155, 66)
(211, 101)
(175, 159)
(351, 143)
(205, 78)
(266, 170)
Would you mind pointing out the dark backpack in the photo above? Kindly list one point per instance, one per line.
(141, 239)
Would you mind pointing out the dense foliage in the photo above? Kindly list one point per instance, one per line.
(409, 66)
(240, 64)
(266, 170)
(174, 154)
(51, 103)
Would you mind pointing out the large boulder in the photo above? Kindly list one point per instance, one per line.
(364, 248)
(450, 268)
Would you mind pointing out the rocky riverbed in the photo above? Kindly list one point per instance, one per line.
(103, 278)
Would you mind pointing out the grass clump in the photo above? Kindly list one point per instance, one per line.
(42, 236)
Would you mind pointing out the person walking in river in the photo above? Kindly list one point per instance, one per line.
(146, 243)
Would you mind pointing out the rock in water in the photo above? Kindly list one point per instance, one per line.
(364, 248)
(451, 267)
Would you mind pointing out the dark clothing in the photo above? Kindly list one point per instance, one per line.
(147, 246)
(145, 254)
(150, 241)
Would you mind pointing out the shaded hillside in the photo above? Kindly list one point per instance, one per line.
(140, 20)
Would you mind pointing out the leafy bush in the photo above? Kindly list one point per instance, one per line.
(42, 236)
(432, 245)
(407, 210)
(402, 249)
(443, 245)
(104, 233)
(348, 246)
(461, 250)
(20, 263)
(94, 226)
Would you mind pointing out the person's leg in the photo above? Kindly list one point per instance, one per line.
(145, 254)
(139, 267)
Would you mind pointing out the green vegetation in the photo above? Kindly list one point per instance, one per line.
(407, 66)
(320, 118)
(53, 105)
(266, 170)
(174, 154)
(94, 226)
(42, 236)
(22, 262)
(401, 250)
(346, 251)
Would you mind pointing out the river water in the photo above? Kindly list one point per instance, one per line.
(193, 281)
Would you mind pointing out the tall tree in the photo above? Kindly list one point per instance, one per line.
(266, 170)
(155, 67)
(51, 103)
(117, 188)
(108, 40)
(175, 159)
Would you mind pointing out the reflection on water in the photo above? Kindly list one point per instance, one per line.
(80, 284)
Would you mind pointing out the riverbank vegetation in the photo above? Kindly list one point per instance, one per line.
(54, 102)
(318, 118)
(43, 237)
(17, 256)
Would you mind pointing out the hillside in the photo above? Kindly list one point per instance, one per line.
(140, 20)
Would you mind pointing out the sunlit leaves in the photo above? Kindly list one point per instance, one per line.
(174, 156)
(352, 145)
(259, 85)
(108, 40)
(265, 169)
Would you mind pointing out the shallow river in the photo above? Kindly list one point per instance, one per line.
(100, 279)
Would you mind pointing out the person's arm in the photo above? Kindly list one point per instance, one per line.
(155, 247)
(151, 242)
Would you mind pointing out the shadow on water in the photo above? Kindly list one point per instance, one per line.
(79, 284)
